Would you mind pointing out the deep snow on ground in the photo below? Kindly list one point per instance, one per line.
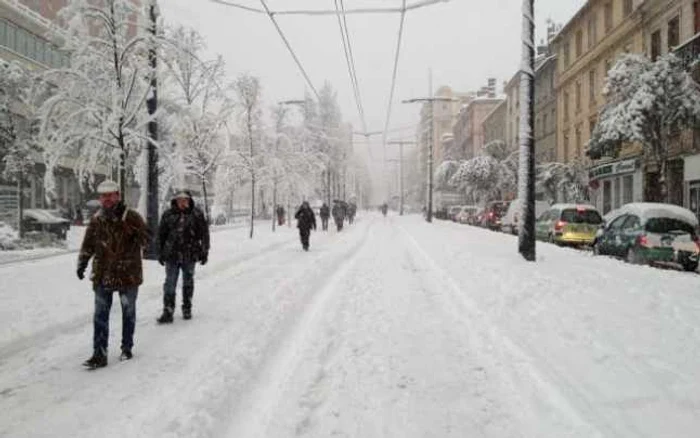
(392, 328)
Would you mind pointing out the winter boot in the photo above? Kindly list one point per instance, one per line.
(186, 313)
(166, 317)
(126, 354)
(98, 360)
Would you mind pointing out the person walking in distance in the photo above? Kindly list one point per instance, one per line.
(183, 240)
(325, 214)
(306, 220)
(338, 213)
(280, 215)
(114, 240)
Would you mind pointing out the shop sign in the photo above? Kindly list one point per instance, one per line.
(611, 169)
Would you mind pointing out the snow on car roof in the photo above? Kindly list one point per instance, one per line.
(648, 210)
(574, 206)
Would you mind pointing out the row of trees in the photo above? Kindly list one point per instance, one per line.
(493, 175)
(93, 114)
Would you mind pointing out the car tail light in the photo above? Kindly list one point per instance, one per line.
(643, 241)
(559, 226)
(491, 215)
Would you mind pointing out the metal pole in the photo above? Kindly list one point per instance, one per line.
(401, 178)
(152, 104)
(429, 216)
(526, 236)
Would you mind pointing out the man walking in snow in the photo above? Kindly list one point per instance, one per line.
(114, 239)
(306, 219)
(183, 240)
(325, 214)
(338, 214)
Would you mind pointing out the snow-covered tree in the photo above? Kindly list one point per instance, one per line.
(249, 96)
(565, 182)
(444, 173)
(647, 103)
(18, 148)
(98, 107)
(200, 106)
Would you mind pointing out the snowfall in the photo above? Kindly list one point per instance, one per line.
(391, 328)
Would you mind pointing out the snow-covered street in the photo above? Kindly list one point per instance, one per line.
(392, 328)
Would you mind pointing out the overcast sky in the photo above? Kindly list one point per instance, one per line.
(463, 41)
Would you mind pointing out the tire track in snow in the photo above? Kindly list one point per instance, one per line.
(486, 333)
(251, 420)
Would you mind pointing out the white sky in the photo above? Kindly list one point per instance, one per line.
(463, 41)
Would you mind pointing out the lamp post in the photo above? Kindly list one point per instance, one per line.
(152, 105)
(431, 100)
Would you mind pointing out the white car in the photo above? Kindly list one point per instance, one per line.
(509, 223)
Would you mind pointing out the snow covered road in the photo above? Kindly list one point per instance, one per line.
(393, 328)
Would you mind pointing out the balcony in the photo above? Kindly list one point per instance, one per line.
(689, 52)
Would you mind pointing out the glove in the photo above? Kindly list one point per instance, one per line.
(81, 272)
(204, 259)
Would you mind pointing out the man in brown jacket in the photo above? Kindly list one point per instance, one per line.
(114, 239)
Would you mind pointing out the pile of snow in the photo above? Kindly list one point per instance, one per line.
(649, 210)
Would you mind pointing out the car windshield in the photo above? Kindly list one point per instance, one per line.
(576, 216)
(664, 225)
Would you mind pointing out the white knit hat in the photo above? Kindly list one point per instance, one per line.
(107, 186)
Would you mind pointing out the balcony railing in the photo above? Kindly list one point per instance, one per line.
(689, 52)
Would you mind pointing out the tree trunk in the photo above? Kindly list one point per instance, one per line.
(252, 204)
(206, 201)
(20, 207)
(152, 104)
(274, 204)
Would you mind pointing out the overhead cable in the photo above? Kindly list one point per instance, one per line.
(311, 12)
(393, 77)
(289, 47)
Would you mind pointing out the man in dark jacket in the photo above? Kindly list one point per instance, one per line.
(114, 239)
(183, 240)
(280, 215)
(325, 213)
(306, 219)
(352, 211)
(338, 214)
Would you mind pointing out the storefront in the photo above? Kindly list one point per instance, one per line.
(615, 184)
(691, 175)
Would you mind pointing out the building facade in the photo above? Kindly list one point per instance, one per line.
(494, 124)
(586, 49)
(469, 128)
(546, 110)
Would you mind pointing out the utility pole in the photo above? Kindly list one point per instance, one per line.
(526, 236)
(401, 181)
(152, 104)
(431, 143)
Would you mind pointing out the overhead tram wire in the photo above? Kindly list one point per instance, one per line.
(393, 78)
(347, 48)
(289, 47)
(411, 7)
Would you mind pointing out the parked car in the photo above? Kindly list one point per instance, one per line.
(493, 213)
(467, 213)
(569, 224)
(511, 220)
(37, 220)
(452, 212)
(648, 233)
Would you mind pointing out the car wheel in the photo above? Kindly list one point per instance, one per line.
(633, 257)
(690, 266)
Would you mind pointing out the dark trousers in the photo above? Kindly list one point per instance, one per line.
(172, 271)
(304, 234)
(324, 223)
(103, 305)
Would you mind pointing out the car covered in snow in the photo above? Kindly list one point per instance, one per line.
(46, 221)
(466, 214)
(650, 233)
(569, 224)
(511, 220)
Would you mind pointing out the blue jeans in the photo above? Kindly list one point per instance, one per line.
(172, 271)
(103, 305)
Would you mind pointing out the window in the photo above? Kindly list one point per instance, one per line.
(618, 195)
(591, 127)
(627, 189)
(632, 222)
(617, 223)
(627, 7)
(11, 36)
(607, 195)
(3, 33)
(586, 216)
(566, 106)
(655, 45)
(578, 142)
(591, 87)
(578, 96)
(21, 42)
(579, 43)
(566, 54)
(608, 11)
(566, 147)
(673, 33)
(592, 31)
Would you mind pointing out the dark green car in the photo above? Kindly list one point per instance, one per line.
(649, 233)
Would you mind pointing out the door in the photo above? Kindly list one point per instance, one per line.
(608, 241)
(629, 233)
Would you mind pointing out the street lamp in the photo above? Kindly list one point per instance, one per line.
(429, 215)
